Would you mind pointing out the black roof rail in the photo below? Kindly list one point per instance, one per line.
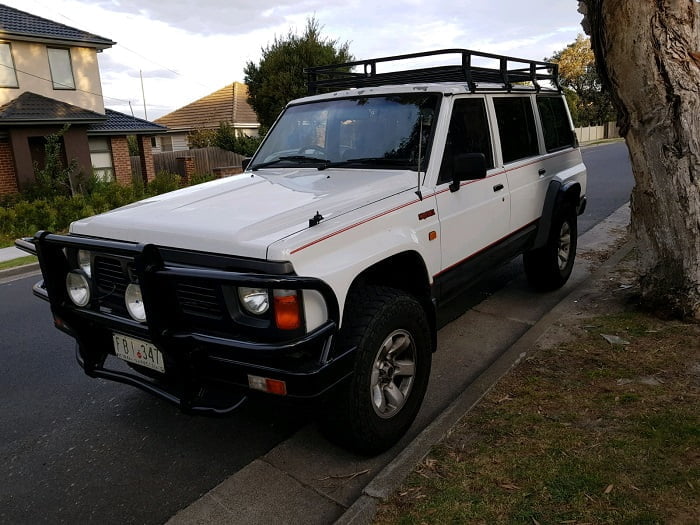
(511, 70)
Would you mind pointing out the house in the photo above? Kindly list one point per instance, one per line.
(229, 104)
(50, 79)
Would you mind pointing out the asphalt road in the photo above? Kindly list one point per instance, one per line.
(79, 450)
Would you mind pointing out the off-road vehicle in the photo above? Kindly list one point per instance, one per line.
(317, 273)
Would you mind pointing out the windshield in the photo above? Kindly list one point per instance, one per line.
(380, 131)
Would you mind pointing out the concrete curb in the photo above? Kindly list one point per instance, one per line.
(19, 270)
(390, 478)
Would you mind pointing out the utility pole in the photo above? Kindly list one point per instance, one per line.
(143, 95)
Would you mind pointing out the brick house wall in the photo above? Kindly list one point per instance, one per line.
(121, 160)
(8, 181)
(148, 170)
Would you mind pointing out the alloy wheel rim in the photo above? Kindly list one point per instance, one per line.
(564, 246)
(393, 373)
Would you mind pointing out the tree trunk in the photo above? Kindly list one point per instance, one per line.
(648, 55)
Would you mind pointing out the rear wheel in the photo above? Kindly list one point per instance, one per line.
(392, 366)
(549, 267)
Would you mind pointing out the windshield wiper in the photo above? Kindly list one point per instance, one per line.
(382, 161)
(292, 158)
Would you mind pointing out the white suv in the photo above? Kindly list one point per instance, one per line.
(317, 272)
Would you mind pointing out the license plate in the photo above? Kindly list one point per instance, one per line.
(138, 352)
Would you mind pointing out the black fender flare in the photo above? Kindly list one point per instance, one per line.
(557, 194)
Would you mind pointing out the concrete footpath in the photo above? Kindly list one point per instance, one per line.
(308, 481)
(10, 254)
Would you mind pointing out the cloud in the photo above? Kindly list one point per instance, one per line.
(216, 16)
(187, 49)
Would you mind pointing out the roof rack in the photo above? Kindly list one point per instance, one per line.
(323, 79)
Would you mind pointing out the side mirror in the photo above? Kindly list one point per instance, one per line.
(245, 162)
(467, 166)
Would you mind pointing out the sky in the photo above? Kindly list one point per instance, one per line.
(186, 49)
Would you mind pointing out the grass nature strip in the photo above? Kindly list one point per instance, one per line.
(21, 261)
(582, 432)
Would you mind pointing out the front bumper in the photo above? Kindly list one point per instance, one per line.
(207, 359)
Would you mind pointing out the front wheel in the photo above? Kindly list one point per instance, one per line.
(549, 267)
(390, 376)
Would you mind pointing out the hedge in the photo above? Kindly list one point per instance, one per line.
(22, 215)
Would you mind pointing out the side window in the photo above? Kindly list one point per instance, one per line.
(101, 158)
(166, 143)
(555, 123)
(516, 128)
(468, 133)
(61, 68)
(8, 74)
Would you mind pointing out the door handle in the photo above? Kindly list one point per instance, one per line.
(498, 187)
(542, 171)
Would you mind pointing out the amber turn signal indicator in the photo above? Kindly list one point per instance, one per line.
(287, 310)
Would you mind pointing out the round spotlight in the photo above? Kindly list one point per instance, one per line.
(255, 300)
(78, 288)
(84, 262)
(134, 303)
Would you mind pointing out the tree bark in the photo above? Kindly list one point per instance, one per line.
(648, 56)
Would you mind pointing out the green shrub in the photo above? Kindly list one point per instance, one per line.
(163, 183)
(199, 178)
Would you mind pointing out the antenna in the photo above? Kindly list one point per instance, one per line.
(420, 157)
(426, 118)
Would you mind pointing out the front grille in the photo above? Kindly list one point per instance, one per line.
(194, 298)
(202, 300)
(111, 282)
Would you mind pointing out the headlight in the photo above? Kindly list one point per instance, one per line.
(134, 303)
(78, 288)
(255, 300)
(84, 262)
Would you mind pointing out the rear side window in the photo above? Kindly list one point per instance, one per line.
(516, 128)
(555, 123)
(468, 133)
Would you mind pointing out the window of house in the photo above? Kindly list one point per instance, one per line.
(166, 143)
(555, 123)
(516, 128)
(8, 74)
(468, 133)
(101, 158)
(61, 68)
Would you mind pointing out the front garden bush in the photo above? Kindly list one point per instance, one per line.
(24, 214)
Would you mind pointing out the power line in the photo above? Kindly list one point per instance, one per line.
(64, 85)
(142, 56)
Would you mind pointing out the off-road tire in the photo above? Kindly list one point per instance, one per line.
(378, 319)
(549, 267)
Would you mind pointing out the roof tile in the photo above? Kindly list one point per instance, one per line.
(31, 108)
(16, 23)
(228, 104)
(119, 123)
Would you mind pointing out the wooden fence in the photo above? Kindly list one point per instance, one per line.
(206, 160)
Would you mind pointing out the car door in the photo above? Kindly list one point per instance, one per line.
(526, 169)
(476, 217)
